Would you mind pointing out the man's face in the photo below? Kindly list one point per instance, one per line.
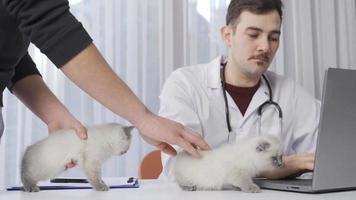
(254, 42)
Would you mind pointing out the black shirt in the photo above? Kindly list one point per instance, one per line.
(46, 23)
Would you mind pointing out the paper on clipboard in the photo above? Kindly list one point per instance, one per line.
(119, 182)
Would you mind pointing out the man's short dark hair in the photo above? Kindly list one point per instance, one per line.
(255, 6)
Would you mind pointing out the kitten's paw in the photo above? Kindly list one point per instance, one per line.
(101, 187)
(188, 188)
(252, 188)
(32, 188)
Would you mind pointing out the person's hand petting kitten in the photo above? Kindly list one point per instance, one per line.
(163, 133)
(35, 94)
(69, 123)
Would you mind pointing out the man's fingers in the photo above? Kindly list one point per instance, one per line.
(306, 160)
(309, 157)
(195, 139)
(309, 166)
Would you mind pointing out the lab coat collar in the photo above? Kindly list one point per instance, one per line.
(261, 96)
(213, 74)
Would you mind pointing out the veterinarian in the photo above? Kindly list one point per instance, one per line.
(234, 96)
(55, 31)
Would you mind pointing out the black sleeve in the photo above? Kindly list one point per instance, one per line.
(24, 68)
(51, 27)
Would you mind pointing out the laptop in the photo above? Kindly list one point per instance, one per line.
(335, 163)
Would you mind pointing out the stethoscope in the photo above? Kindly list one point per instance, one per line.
(260, 109)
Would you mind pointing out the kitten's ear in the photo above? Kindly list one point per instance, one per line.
(127, 130)
(263, 146)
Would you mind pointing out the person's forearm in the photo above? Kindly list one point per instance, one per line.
(283, 172)
(91, 72)
(34, 93)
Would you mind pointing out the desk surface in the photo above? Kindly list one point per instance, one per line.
(156, 190)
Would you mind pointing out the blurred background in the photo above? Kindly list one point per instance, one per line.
(145, 40)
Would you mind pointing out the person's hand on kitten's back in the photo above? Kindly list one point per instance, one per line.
(163, 133)
(69, 123)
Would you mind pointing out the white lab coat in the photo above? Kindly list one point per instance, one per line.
(193, 96)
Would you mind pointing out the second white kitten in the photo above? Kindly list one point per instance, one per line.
(232, 164)
(48, 157)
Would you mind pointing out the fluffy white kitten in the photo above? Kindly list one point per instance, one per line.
(48, 157)
(230, 165)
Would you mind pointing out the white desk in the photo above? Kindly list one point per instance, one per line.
(158, 190)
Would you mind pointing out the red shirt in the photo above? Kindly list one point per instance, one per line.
(241, 95)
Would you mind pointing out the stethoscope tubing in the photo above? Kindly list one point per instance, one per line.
(259, 109)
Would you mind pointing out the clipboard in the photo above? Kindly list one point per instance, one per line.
(78, 183)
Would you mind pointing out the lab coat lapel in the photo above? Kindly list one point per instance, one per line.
(261, 96)
(214, 82)
(232, 104)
